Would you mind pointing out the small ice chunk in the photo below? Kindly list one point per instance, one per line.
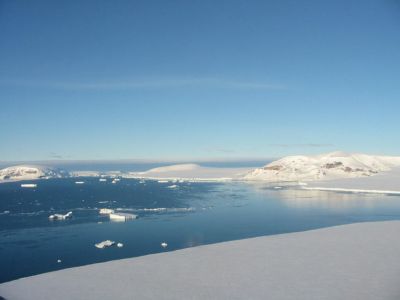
(122, 216)
(29, 185)
(60, 216)
(174, 186)
(58, 261)
(102, 179)
(79, 182)
(163, 181)
(120, 245)
(106, 211)
(103, 244)
(164, 244)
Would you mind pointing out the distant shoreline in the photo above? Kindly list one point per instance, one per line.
(328, 186)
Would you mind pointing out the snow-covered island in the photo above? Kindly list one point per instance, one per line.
(336, 171)
(31, 172)
(191, 172)
(328, 166)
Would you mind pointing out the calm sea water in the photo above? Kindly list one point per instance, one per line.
(190, 215)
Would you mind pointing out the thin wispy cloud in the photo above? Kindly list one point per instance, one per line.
(150, 83)
(55, 155)
(220, 150)
(306, 145)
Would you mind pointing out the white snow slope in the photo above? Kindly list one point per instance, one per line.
(329, 166)
(191, 171)
(357, 261)
(29, 172)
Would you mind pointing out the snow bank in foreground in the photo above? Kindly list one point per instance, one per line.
(358, 261)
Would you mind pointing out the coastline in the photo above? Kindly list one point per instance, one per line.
(384, 183)
(350, 190)
(356, 261)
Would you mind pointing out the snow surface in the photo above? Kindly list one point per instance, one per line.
(190, 172)
(329, 166)
(357, 261)
(30, 172)
(386, 182)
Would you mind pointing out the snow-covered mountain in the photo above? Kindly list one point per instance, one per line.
(174, 168)
(323, 167)
(191, 172)
(28, 172)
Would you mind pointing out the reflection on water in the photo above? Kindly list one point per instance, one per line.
(190, 215)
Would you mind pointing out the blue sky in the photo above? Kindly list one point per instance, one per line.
(198, 79)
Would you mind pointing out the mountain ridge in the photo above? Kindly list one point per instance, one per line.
(325, 166)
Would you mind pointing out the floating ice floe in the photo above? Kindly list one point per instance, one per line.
(104, 244)
(58, 261)
(164, 244)
(103, 179)
(155, 209)
(106, 211)
(122, 216)
(79, 182)
(162, 181)
(60, 216)
(174, 186)
(120, 245)
(28, 185)
(277, 187)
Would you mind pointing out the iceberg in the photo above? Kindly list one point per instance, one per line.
(28, 185)
(104, 244)
(60, 216)
(106, 211)
(122, 216)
